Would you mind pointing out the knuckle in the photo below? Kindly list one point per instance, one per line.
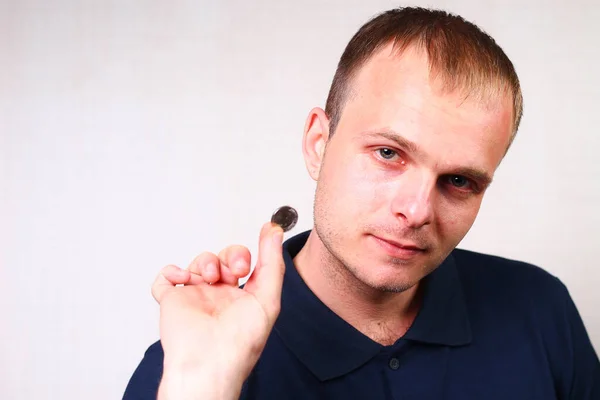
(201, 261)
(238, 250)
(206, 256)
(169, 267)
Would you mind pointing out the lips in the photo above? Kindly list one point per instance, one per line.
(404, 250)
(408, 246)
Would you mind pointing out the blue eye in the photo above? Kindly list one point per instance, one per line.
(387, 153)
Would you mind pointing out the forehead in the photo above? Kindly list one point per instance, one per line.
(396, 92)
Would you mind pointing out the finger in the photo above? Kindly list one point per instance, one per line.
(175, 276)
(233, 260)
(178, 276)
(206, 265)
(267, 279)
(237, 258)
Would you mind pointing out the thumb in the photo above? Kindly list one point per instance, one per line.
(266, 281)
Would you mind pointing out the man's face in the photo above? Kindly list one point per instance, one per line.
(402, 178)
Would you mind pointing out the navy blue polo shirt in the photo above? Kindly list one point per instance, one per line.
(488, 328)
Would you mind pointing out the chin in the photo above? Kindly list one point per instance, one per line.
(388, 278)
(391, 286)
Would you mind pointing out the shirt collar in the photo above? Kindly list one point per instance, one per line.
(330, 347)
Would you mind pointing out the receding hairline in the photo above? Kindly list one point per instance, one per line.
(487, 93)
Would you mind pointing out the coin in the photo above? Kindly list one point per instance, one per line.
(286, 217)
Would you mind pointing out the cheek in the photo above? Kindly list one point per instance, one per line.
(351, 187)
(455, 220)
(368, 186)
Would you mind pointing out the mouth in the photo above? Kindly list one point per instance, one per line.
(403, 250)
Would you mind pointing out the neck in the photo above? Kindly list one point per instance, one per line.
(382, 316)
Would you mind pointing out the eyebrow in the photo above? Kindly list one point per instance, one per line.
(405, 144)
(478, 175)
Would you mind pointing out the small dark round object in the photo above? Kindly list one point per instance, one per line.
(286, 217)
(394, 363)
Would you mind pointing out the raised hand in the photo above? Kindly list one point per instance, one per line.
(213, 334)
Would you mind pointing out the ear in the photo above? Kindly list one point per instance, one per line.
(316, 134)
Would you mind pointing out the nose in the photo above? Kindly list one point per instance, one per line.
(413, 199)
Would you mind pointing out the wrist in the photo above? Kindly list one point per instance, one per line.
(193, 381)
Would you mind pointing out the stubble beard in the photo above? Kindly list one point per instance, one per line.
(343, 271)
(337, 267)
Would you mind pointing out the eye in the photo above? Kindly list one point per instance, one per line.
(458, 181)
(461, 183)
(386, 153)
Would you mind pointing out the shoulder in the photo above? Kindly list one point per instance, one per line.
(489, 278)
(514, 299)
(504, 272)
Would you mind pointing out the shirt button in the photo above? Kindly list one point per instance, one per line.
(394, 363)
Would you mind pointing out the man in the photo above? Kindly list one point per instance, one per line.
(375, 301)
